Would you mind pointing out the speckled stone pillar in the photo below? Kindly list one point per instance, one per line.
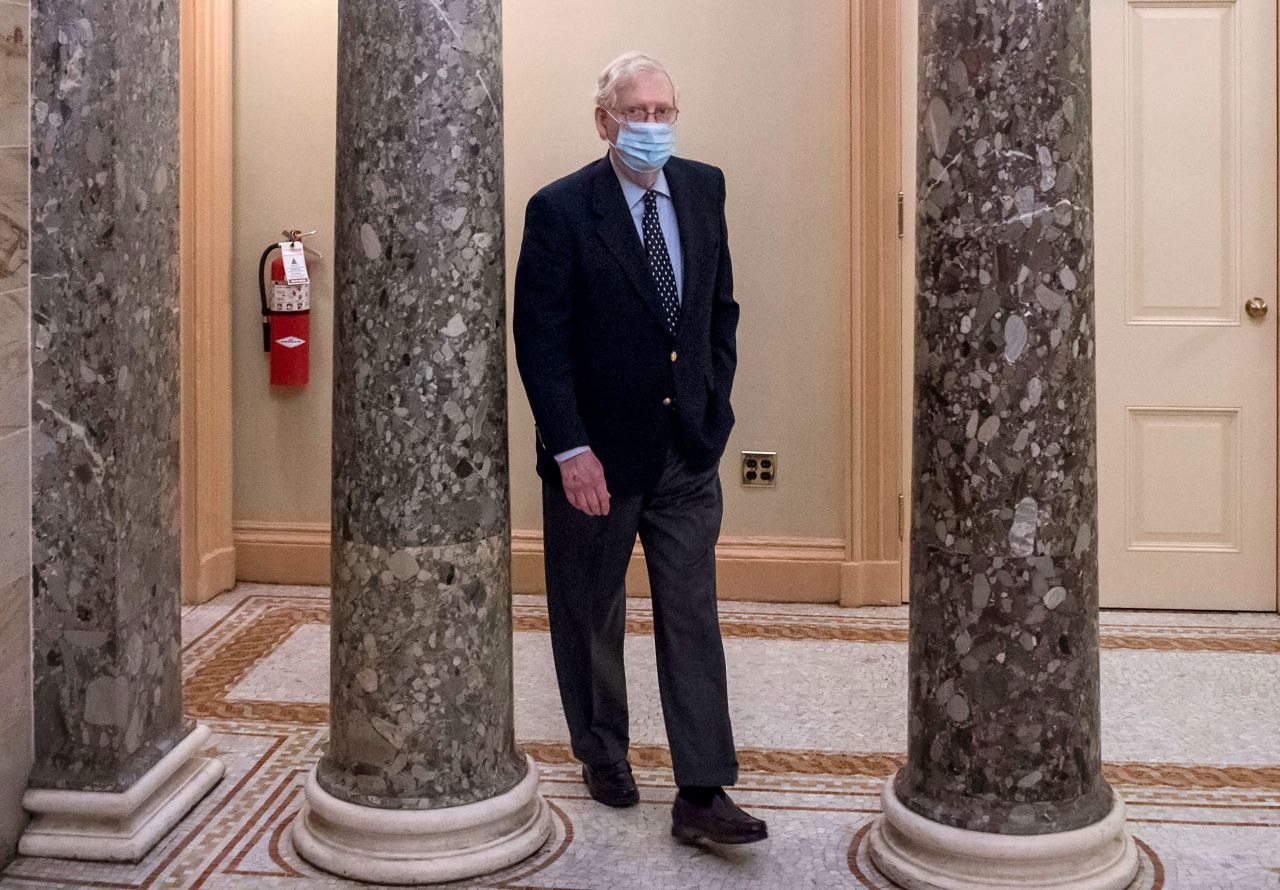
(422, 780)
(116, 763)
(1003, 785)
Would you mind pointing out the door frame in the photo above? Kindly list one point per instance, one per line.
(1275, 300)
(876, 512)
(205, 85)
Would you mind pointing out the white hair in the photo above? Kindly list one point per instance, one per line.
(623, 69)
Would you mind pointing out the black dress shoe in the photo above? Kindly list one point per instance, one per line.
(721, 822)
(612, 785)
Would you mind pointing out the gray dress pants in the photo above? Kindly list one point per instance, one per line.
(678, 521)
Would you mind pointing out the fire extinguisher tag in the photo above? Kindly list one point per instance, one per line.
(295, 262)
(290, 297)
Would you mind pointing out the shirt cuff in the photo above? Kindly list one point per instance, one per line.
(572, 452)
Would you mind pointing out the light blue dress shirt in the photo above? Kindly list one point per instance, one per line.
(634, 196)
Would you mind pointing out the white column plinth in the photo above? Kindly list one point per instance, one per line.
(919, 854)
(421, 846)
(102, 826)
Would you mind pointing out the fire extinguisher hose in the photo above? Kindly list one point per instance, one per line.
(262, 294)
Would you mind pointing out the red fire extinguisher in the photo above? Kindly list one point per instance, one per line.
(286, 314)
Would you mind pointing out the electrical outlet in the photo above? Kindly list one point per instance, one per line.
(760, 469)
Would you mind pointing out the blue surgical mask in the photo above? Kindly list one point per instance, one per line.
(645, 148)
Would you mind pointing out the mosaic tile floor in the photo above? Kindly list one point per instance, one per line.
(1192, 743)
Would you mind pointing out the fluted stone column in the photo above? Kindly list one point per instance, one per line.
(422, 780)
(1003, 785)
(116, 763)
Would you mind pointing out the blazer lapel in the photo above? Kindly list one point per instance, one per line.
(695, 236)
(617, 229)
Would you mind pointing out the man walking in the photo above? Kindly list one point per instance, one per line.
(625, 337)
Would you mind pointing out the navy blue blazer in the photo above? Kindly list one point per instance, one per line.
(597, 363)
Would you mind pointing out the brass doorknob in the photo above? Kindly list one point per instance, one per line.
(1257, 307)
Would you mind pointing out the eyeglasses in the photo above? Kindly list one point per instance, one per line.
(637, 115)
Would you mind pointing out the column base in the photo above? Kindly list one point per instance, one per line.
(102, 826)
(919, 854)
(421, 846)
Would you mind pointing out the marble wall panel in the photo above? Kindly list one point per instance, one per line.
(15, 409)
(15, 645)
(14, 221)
(15, 25)
(15, 434)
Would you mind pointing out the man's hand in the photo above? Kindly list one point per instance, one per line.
(584, 485)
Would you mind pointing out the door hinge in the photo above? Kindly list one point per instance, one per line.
(902, 508)
(902, 215)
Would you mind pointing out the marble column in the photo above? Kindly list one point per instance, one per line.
(422, 780)
(116, 762)
(1003, 785)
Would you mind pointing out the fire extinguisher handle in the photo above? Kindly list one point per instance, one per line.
(262, 296)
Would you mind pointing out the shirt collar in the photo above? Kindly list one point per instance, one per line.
(633, 193)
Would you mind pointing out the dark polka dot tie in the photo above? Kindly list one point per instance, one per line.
(655, 247)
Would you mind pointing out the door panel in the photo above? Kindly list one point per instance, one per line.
(1185, 224)
(1180, 57)
(1199, 447)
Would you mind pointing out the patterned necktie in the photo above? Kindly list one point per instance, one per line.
(655, 248)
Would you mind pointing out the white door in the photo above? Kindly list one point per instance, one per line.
(1184, 101)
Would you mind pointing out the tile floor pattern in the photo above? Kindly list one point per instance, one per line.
(1192, 743)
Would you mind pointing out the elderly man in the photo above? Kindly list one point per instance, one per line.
(625, 337)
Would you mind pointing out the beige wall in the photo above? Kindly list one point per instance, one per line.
(285, 56)
(765, 95)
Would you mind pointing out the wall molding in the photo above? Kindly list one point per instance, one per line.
(208, 554)
(282, 552)
(871, 583)
(753, 569)
(748, 569)
(215, 573)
